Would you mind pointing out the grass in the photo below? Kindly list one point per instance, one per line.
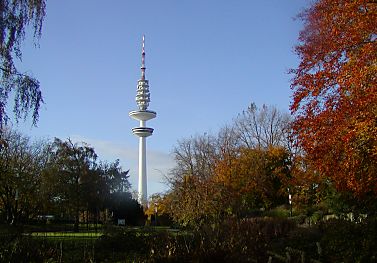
(140, 231)
(66, 235)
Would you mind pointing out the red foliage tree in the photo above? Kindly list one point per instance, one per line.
(335, 92)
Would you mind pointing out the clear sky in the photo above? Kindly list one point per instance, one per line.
(206, 60)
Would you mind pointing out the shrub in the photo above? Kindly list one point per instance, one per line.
(280, 212)
(346, 241)
(239, 240)
(299, 219)
(25, 249)
(299, 239)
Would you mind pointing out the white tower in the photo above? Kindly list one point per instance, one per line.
(142, 115)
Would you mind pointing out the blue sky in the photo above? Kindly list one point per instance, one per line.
(206, 60)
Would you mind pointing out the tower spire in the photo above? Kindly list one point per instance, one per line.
(143, 59)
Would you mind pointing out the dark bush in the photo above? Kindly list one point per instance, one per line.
(25, 249)
(230, 241)
(303, 239)
(299, 219)
(345, 241)
(239, 240)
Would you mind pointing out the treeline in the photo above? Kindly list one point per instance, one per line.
(62, 179)
(252, 167)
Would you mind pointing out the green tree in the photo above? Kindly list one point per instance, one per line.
(116, 178)
(123, 206)
(72, 176)
(21, 165)
(118, 198)
(15, 17)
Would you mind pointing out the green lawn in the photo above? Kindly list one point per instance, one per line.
(92, 234)
(67, 235)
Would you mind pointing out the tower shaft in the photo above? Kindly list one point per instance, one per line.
(142, 189)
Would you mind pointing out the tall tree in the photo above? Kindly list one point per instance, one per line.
(192, 195)
(194, 157)
(15, 17)
(262, 127)
(116, 178)
(335, 92)
(73, 175)
(21, 166)
(118, 198)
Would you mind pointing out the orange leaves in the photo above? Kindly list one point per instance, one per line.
(263, 174)
(335, 92)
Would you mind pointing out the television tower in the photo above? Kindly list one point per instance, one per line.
(142, 115)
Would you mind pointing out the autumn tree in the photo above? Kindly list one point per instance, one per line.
(245, 148)
(255, 178)
(15, 17)
(243, 167)
(159, 209)
(192, 195)
(335, 93)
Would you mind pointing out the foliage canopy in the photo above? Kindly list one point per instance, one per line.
(15, 17)
(335, 93)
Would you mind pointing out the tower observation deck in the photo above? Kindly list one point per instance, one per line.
(142, 114)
